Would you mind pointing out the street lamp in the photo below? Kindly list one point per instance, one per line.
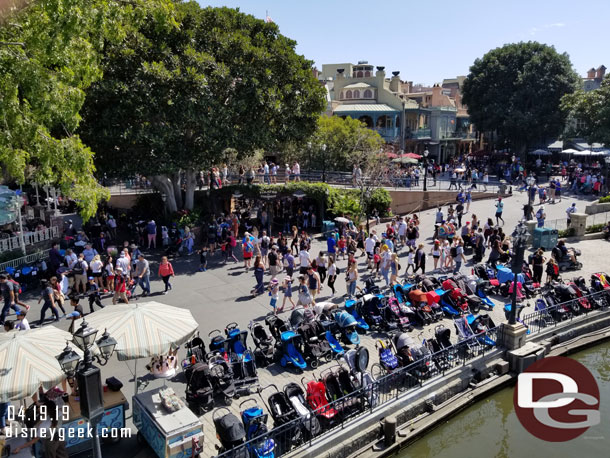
(519, 237)
(426, 152)
(324, 162)
(88, 376)
(309, 162)
(164, 199)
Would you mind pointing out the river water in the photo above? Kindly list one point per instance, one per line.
(490, 428)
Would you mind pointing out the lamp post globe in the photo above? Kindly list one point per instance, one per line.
(426, 153)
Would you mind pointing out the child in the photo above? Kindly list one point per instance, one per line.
(21, 323)
(410, 260)
(274, 289)
(76, 314)
(93, 291)
(377, 261)
(165, 236)
(304, 296)
(342, 245)
(203, 258)
(552, 271)
(287, 285)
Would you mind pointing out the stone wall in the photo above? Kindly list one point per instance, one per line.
(411, 201)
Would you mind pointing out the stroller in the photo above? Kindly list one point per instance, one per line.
(480, 324)
(263, 353)
(565, 293)
(400, 315)
(236, 340)
(596, 300)
(245, 375)
(276, 327)
(489, 282)
(230, 432)
(364, 377)
(315, 346)
(287, 352)
(388, 362)
(370, 307)
(195, 353)
(545, 317)
(199, 389)
(255, 425)
(221, 377)
(218, 344)
(340, 387)
(283, 412)
(316, 398)
(425, 302)
(401, 292)
(347, 325)
(361, 325)
(294, 393)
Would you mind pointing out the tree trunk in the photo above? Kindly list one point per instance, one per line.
(165, 185)
(191, 183)
(177, 188)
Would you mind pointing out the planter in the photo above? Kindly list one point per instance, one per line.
(596, 207)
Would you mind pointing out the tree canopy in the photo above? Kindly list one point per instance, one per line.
(174, 99)
(593, 108)
(48, 58)
(516, 91)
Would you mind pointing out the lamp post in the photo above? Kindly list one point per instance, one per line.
(164, 199)
(323, 162)
(426, 152)
(88, 376)
(18, 203)
(519, 236)
(309, 162)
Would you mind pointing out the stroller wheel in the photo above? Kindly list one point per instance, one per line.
(377, 371)
(229, 400)
(314, 364)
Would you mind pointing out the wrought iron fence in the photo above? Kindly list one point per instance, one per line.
(544, 317)
(301, 432)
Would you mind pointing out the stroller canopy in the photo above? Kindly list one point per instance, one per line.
(345, 319)
(297, 317)
(229, 428)
(404, 340)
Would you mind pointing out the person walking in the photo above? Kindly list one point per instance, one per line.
(459, 256)
(436, 255)
(120, 286)
(420, 259)
(142, 276)
(321, 262)
(259, 273)
(538, 261)
(332, 275)
(109, 273)
(352, 278)
(93, 293)
(314, 284)
(49, 302)
(151, 231)
(166, 271)
(394, 268)
(540, 216)
(304, 296)
(287, 287)
(499, 210)
(571, 209)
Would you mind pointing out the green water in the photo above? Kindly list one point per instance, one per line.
(490, 428)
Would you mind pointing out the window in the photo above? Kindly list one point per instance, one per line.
(356, 94)
(368, 94)
(367, 74)
(348, 94)
(359, 75)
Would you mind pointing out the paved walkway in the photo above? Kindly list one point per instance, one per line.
(221, 295)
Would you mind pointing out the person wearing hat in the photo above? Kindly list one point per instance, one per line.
(274, 290)
(49, 301)
(540, 216)
(77, 313)
(499, 210)
(120, 287)
(22, 323)
(93, 292)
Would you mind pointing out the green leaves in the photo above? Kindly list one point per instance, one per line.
(516, 90)
(593, 110)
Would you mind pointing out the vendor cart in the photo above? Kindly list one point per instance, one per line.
(170, 434)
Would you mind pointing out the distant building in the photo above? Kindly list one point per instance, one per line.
(594, 78)
(410, 117)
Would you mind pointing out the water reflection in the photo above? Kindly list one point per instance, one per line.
(490, 428)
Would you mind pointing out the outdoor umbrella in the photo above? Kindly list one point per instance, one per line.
(341, 219)
(144, 329)
(405, 160)
(569, 151)
(540, 152)
(412, 155)
(28, 360)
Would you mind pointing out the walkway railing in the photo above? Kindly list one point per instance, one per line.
(30, 238)
(297, 433)
(548, 317)
(44, 254)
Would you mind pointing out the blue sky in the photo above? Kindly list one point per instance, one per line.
(429, 41)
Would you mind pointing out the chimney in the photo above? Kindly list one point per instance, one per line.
(395, 82)
(436, 96)
(591, 73)
(380, 75)
(601, 71)
(340, 73)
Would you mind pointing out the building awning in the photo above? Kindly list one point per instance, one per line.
(364, 108)
(357, 86)
(558, 145)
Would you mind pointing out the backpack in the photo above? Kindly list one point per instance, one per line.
(16, 286)
(78, 268)
(453, 252)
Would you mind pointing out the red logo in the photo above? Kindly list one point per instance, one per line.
(557, 399)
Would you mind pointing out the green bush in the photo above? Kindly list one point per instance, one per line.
(569, 232)
(380, 201)
(604, 200)
(187, 218)
(594, 228)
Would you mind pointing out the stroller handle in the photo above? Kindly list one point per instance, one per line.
(247, 401)
(214, 331)
(260, 394)
(303, 378)
(217, 410)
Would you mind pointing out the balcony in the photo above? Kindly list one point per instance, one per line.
(388, 133)
(419, 133)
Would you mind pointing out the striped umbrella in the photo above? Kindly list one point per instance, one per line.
(144, 329)
(28, 359)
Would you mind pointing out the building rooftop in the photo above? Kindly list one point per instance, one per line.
(348, 107)
(357, 86)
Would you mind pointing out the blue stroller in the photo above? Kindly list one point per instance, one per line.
(347, 324)
(288, 352)
(237, 341)
(255, 424)
(335, 346)
(350, 307)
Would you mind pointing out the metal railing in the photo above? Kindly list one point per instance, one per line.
(44, 254)
(565, 311)
(30, 238)
(299, 432)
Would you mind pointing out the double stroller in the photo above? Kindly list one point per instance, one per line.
(315, 345)
(283, 412)
(241, 359)
(347, 325)
(310, 423)
(340, 384)
(255, 426)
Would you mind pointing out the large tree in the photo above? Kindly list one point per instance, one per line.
(516, 91)
(593, 108)
(48, 58)
(173, 100)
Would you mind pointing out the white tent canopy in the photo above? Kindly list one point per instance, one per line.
(540, 152)
(569, 151)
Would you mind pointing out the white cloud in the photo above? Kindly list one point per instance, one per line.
(535, 30)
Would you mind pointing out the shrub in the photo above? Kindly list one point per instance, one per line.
(594, 228)
(569, 232)
(604, 200)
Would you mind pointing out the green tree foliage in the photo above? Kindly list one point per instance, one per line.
(173, 100)
(344, 138)
(516, 90)
(593, 108)
(48, 58)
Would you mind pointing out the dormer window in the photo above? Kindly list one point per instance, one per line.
(356, 94)
(368, 94)
(348, 94)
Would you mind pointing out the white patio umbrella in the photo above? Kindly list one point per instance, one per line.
(144, 329)
(569, 151)
(28, 360)
(341, 219)
(540, 152)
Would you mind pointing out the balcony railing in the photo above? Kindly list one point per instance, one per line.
(387, 132)
(419, 133)
(30, 238)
